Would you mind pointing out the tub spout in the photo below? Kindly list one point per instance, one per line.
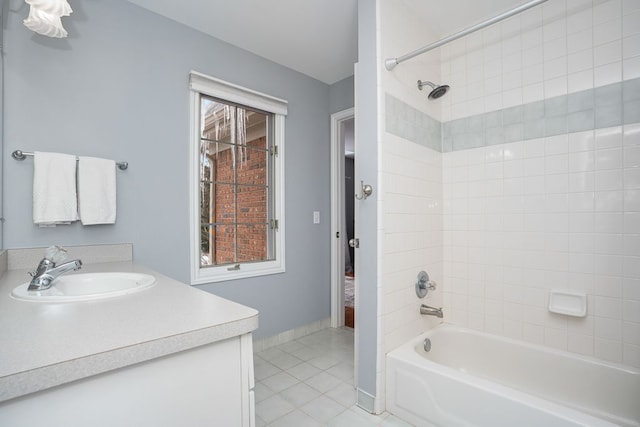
(431, 311)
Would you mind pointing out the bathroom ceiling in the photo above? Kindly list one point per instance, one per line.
(315, 37)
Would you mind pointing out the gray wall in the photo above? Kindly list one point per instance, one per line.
(117, 88)
(3, 7)
(341, 95)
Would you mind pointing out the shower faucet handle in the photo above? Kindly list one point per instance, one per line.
(424, 285)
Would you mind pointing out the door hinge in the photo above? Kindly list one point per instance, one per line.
(273, 150)
(274, 224)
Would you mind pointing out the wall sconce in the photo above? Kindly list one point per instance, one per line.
(365, 192)
(44, 17)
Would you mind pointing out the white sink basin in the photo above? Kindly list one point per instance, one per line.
(87, 286)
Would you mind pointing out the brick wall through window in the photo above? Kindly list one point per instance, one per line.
(249, 236)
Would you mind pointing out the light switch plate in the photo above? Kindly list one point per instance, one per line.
(316, 217)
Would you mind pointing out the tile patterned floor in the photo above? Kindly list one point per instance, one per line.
(309, 382)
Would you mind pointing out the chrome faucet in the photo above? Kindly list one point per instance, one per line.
(48, 271)
(431, 311)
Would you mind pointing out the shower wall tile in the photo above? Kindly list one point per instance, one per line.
(631, 112)
(608, 115)
(587, 45)
(580, 120)
(631, 68)
(631, 101)
(556, 212)
(411, 124)
(602, 107)
(410, 205)
(539, 182)
(550, 198)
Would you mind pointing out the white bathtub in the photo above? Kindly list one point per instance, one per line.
(471, 378)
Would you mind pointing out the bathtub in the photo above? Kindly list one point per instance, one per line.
(471, 378)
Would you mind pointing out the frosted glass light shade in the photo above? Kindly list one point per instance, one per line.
(54, 7)
(44, 17)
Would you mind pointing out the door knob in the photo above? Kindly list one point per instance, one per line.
(354, 243)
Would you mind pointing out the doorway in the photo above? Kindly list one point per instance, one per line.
(349, 223)
(343, 280)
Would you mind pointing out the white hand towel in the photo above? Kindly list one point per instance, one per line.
(97, 190)
(54, 189)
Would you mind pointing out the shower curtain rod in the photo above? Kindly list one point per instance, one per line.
(391, 63)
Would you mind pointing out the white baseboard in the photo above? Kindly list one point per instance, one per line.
(290, 335)
(366, 401)
(4, 263)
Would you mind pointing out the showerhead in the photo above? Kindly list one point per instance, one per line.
(437, 90)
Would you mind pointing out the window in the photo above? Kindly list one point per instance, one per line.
(237, 201)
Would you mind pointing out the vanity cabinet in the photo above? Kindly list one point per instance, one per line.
(170, 355)
(211, 385)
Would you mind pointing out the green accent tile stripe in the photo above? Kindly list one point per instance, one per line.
(611, 105)
(605, 106)
(411, 124)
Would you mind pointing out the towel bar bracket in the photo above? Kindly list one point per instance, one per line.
(21, 155)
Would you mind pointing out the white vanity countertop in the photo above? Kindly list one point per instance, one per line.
(47, 344)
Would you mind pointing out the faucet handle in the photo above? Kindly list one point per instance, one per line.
(44, 265)
(424, 285)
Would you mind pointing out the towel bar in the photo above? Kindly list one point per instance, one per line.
(21, 155)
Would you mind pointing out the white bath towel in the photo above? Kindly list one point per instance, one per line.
(96, 190)
(54, 189)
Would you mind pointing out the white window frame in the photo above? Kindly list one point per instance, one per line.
(207, 85)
